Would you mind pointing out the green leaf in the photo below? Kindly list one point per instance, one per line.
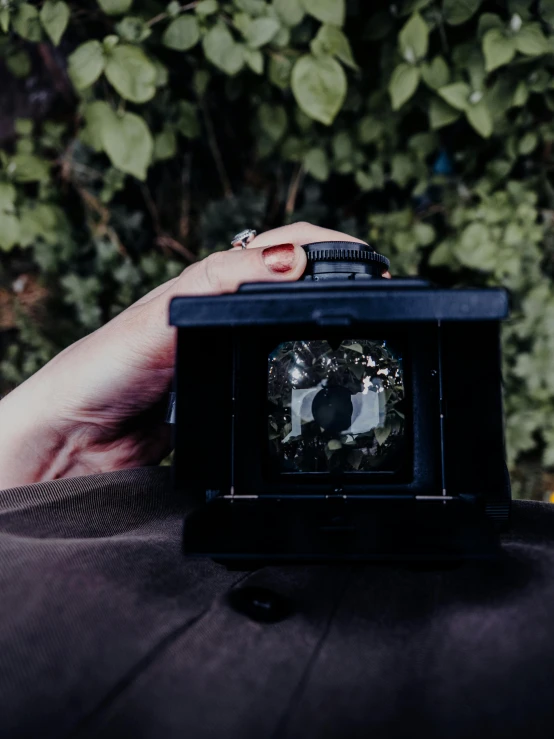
(331, 40)
(342, 147)
(539, 80)
(110, 42)
(23, 126)
(133, 29)
(25, 146)
(282, 39)
(42, 221)
(403, 83)
(528, 143)
(8, 195)
(131, 73)
(182, 33)
(86, 64)
(10, 231)
(114, 181)
(475, 65)
(9, 223)
(273, 120)
(29, 168)
(370, 129)
(521, 95)
(165, 145)
(241, 22)
(363, 180)
(436, 73)
(425, 234)
(480, 118)
(548, 459)
(5, 17)
(413, 39)
(261, 31)
(410, 6)
(222, 50)
(441, 114)
(319, 87)
(459, 11)
(521, 7)
(54, 17)
(19, 63)
(187, 122)
(115, 7)
(289, 12)
(402, 169)
(293, 149)
(488, 21)
(531, 41)
(456, 95)
(162, 74)
(316, 164)
(377, 175)
(498, 49)
(95, 114)
(206, 7)
(476, 249)
(546, 9)
(442, 255)
(252, 7)
(326, 11)
(423, 144)
(26, 23)
(254, 59)
(127, 141)
(280, 71)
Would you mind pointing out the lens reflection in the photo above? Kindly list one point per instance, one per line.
(336, 408)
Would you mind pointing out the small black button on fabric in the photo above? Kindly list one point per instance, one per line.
(260, 604)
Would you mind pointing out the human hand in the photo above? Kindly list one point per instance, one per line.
(99, 405)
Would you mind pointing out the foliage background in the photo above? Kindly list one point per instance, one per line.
(137, 137)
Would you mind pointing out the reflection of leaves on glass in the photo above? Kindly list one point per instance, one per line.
(371, 372)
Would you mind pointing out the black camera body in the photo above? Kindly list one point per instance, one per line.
(342, 417)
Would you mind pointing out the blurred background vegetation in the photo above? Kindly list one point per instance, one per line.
(138, 136)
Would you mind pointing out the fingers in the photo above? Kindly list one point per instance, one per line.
(300, 233)
(223, 272)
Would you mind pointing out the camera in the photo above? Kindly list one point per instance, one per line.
(342, 417)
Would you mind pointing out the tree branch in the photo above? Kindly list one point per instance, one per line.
(216, 153)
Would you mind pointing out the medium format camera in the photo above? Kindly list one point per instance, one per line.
(341, 417)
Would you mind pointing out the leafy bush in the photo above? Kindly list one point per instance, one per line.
(145, 135)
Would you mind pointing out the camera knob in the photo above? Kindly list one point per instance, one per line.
(352, 260)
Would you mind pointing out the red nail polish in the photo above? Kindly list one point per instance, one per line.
(279, 258)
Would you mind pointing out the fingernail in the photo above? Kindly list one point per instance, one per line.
(279, 258)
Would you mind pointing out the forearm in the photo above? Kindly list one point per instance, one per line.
(32, 449)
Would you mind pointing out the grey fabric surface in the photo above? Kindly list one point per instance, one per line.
(106, 630)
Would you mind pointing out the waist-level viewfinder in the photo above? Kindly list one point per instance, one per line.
(342, 417)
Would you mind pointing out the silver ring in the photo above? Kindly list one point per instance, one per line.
(244, 238)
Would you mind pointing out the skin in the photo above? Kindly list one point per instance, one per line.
(99, 405)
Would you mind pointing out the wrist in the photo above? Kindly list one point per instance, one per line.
(33, 447)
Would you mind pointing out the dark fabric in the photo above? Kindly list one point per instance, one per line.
(106, 630)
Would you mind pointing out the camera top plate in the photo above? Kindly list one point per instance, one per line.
(339, 302)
